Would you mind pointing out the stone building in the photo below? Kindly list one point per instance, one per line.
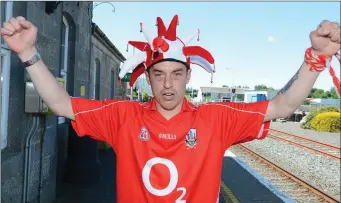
(105, 63)
(38, 149)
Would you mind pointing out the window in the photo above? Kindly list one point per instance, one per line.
(3, 13)
(113, 83)
(97, 80)
(5, 56)
(64, 57)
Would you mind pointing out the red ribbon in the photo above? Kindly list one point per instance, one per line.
(319, 62)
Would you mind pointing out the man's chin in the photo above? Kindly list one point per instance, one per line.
(168, 105)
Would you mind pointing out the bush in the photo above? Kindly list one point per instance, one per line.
(327, 122)
(307, 120)
(145, 97)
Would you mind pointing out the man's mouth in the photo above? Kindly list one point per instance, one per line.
(168, 96)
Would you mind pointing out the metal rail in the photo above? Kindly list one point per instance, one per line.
(307, 139)
(325, 149)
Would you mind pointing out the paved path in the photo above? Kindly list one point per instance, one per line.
(102, 192)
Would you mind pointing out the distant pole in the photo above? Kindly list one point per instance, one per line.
(131, 93)
(138, 89)
(211, 91)
(232, 83)
(131, 88)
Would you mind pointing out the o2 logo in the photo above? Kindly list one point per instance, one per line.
(173, 171)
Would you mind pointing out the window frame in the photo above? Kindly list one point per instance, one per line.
(5, 55)
(64, 56)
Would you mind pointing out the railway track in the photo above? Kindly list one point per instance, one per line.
(295, 188)
(309, 144)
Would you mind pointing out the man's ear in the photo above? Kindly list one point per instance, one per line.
(189, 75)
(147, 76)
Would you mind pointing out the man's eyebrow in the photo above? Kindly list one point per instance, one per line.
(179, 70)
(156, 70)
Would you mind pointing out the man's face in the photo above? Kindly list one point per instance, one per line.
(168, 81)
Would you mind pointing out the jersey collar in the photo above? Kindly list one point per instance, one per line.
(186, 106)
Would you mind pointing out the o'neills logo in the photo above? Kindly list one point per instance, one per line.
(167, 136)
(144, 134)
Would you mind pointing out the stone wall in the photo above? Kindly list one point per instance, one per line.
(45, 144)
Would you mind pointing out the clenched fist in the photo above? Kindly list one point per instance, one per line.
(326, 38)
(20, 35)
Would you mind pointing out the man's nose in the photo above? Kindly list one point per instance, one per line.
(168, 83)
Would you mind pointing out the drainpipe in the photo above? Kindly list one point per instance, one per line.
(41, 159)
(28, 152)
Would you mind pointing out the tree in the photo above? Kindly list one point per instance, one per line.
(263, 87)
(135, 89)
(332, 93)
(321, 94)
(306, 102)
(190, 90)
(316, 93)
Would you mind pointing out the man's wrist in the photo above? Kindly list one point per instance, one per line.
(317, 53)
(27, 54)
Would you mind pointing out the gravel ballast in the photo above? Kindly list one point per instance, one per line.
(316, 169)
(321, 172)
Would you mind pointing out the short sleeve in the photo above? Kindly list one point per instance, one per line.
(96, 119)
(241, 122)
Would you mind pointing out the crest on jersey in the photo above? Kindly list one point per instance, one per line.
(191, 138)
(144, 134)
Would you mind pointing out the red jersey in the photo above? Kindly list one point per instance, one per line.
(177, 160)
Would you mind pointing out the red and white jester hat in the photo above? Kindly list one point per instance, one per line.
(166, 46)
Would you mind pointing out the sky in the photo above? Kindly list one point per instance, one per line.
(252, 42)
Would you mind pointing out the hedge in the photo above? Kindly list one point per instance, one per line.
(307, 120)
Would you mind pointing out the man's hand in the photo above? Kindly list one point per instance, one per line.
(20, 36)
(326, 38)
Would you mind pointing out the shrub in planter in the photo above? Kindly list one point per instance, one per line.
(327, 122)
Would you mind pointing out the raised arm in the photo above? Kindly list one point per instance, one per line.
(20, 35)
(325, 42)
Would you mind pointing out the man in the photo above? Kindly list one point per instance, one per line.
(169, 150)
